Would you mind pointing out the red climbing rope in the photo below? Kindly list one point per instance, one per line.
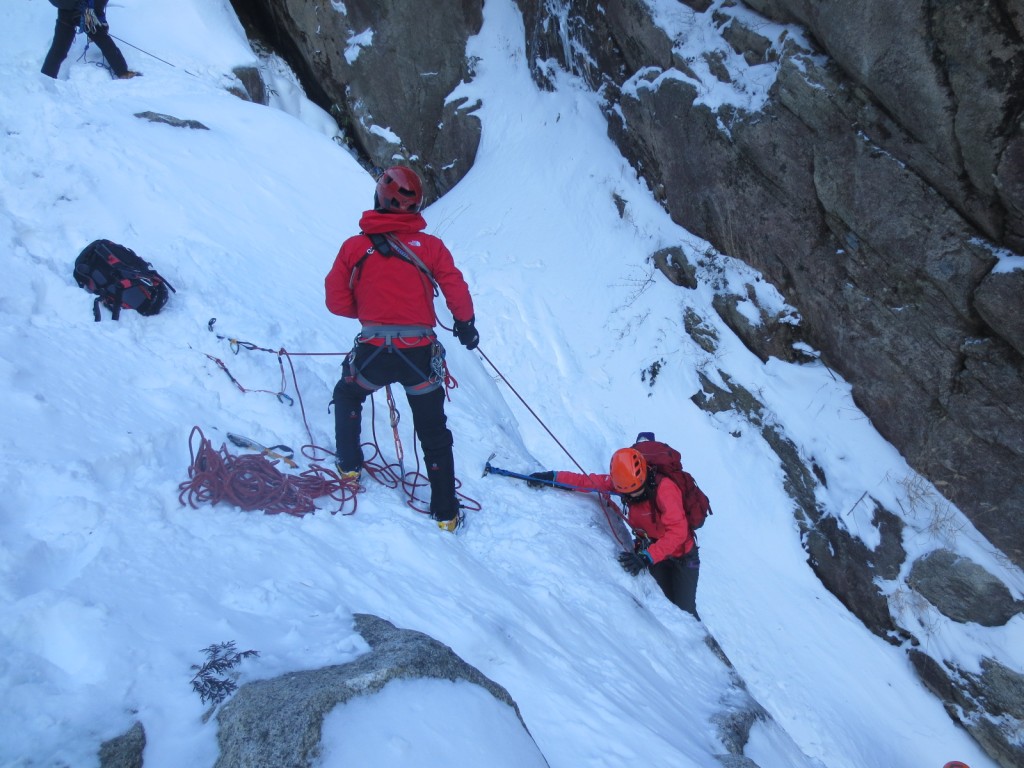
(392, 475)
(253, 482)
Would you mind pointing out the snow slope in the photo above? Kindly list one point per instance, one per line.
(110, 587)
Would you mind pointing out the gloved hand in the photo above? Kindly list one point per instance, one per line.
(466, 333)
(634, 562)
(543, 479)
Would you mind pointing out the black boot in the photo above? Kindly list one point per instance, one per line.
(436, 442)
(444, 506)
(348, 413)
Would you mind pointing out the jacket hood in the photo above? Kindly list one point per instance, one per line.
(373, 222)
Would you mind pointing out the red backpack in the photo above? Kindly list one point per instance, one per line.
(667, 461)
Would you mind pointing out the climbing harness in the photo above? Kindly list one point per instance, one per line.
(390, 334)
(396, 340)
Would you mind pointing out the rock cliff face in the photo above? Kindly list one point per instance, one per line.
(877, 185)
(868, 159)
(384, 74)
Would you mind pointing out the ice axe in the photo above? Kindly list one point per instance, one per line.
(282, 452)
(490, 469)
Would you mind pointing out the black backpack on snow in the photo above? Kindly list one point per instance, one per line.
(120, 279)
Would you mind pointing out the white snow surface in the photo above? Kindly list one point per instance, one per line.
(110, 588)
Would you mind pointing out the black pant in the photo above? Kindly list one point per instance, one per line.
(677, 577)
(410, 367)
(64, 36)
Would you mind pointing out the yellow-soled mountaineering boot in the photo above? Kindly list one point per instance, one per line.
(350, 477)
(452, 525)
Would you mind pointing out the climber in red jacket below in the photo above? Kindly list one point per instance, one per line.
(387, 277)
(665, 543)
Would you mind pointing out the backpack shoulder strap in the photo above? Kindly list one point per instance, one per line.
(380, 245)
(389, 245)
(399, 249)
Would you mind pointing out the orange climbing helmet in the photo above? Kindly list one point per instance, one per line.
(628, 470)
(956, 764)
(399, 189)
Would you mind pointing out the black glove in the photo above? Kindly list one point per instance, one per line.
(634, 562)
(466, 332)
(542, 479)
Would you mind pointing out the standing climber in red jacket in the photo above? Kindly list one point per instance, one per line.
(387, 277)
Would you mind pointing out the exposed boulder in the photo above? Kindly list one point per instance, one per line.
(949, 75)
(124, 751)
(171, 120)
(851, 570)
(738, 713)
(277, 723)
(766, 335)
(735, 761)
(704, 334)
(674, 265)
(250, 86)
(963, 590)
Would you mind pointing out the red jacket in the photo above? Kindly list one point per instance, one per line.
(389, 290)
(669, 526)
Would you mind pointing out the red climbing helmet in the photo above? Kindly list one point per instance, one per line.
(628, 470)
(399, 189)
